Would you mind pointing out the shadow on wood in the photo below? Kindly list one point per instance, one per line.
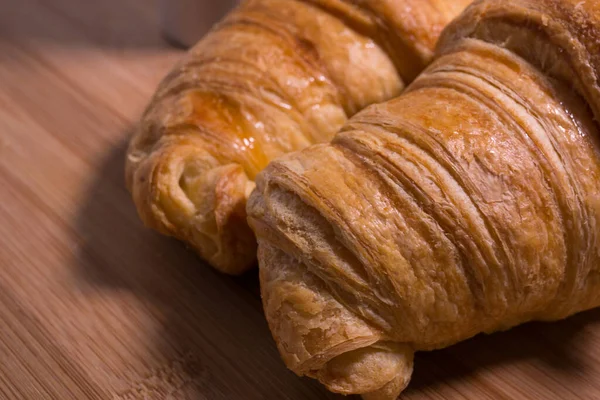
(211, 324)
(122, 24)
(541, 346)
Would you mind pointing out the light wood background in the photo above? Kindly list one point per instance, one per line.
(94, 306)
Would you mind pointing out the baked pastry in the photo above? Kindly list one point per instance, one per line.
(274, 76)
(469, 204)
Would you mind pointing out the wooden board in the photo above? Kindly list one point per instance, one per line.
(94, 306)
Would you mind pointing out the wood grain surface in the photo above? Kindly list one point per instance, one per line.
(94, 306)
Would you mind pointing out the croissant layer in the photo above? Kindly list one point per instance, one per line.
(469, 204)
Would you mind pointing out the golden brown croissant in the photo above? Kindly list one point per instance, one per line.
(469, 204)
(273, 77)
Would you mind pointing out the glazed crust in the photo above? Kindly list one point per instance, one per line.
(274, 76)
(469, 204)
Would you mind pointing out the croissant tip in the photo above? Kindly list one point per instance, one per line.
(377, 372)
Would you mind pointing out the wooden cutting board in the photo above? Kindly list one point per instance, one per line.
(94, 306)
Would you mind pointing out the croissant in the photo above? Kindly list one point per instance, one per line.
(467, 205)
(274, 76)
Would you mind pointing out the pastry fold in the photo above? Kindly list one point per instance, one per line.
(273, 77)
(469, 204)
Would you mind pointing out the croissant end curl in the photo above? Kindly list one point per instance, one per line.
(469, 204)
(273, 77)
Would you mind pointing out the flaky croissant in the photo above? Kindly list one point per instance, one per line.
(469, 204)
(274, 76)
